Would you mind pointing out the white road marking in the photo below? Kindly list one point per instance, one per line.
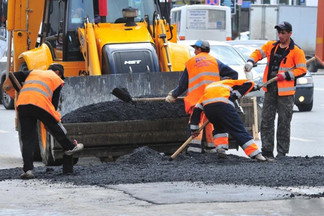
(319, 89)
(301, 139)
(3, 131)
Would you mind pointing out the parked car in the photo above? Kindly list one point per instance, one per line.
(304, 85)
(226, 54)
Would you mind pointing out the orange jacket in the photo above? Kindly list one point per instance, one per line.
(202, 70)
(221, 91)
(293, 65)
(38, 91)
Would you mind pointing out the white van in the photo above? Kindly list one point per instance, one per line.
(204, 22)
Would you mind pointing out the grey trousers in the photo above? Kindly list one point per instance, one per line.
(283, 105)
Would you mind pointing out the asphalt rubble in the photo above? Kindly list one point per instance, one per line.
(145, 165)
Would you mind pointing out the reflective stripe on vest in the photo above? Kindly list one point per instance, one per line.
(219, 99)
(204, 82)
(38, 90)
(202, 70)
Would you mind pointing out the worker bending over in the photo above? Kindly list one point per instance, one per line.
(200, 71)
(38, 100)
(217, 103)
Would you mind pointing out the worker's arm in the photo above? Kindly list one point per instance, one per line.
(300, 67)
(241, 90)
(226, 71)
(21, 77)
(56, 96)
(195, 119)
(183, 84)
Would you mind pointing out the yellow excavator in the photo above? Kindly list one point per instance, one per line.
(102, 44)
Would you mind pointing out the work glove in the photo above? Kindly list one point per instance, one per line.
(170, 98)
(233, 97)
(248, 66)
(280, 77)
(195, 133)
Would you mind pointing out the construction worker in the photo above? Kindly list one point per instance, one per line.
(38, 100)
(217, 102)
(200, 70)
(286, 61)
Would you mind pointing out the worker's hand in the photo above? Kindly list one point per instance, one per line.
(170, 98)
(233, 97)
(248, 66)
(280, 77)
(194, 133)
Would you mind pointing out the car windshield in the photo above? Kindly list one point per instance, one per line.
(226, 54)
(246, 51)
(145, 7)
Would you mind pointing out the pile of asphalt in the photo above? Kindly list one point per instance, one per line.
(146, 165)
(120, 111)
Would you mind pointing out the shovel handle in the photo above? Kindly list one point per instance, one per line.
(268, 82)
(14, 79)
(154, 99)
(275, 78)
(186, 143)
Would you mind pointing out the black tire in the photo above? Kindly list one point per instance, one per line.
(37, 156)
(305, 107)
(7, 101)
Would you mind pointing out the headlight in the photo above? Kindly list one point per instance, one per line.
(304, 80)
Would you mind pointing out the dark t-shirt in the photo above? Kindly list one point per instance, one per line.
(275, 67)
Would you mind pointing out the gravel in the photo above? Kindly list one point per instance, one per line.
(120, 111)
(146, 165)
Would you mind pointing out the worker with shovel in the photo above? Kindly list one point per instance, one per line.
(286, 62)
(200, 71)
(217, 102)
(37, 100)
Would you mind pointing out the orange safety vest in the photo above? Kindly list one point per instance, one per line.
(202, 70)
(220, 91)
(38, 90)
(294, 63)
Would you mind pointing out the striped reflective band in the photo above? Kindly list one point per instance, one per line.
(219, 85)
(219, 99)
(205, 82)
(194, 127)
(287, 89)
(220, 135)
(200, 106)
(40, 83)
(262, 53)
(26, 89)
(247, 144)
(203, 74)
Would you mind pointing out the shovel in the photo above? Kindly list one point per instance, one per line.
(123, 94)
(186, 143)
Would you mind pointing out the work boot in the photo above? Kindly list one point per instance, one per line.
(268, 156)
(221, 153)
(280, 155)
(211, 151)
(259, 157)
(78, 147)
(27, 175)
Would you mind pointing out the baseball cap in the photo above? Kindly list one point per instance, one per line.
(284, 26)
(59, 67)
(201, 44)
